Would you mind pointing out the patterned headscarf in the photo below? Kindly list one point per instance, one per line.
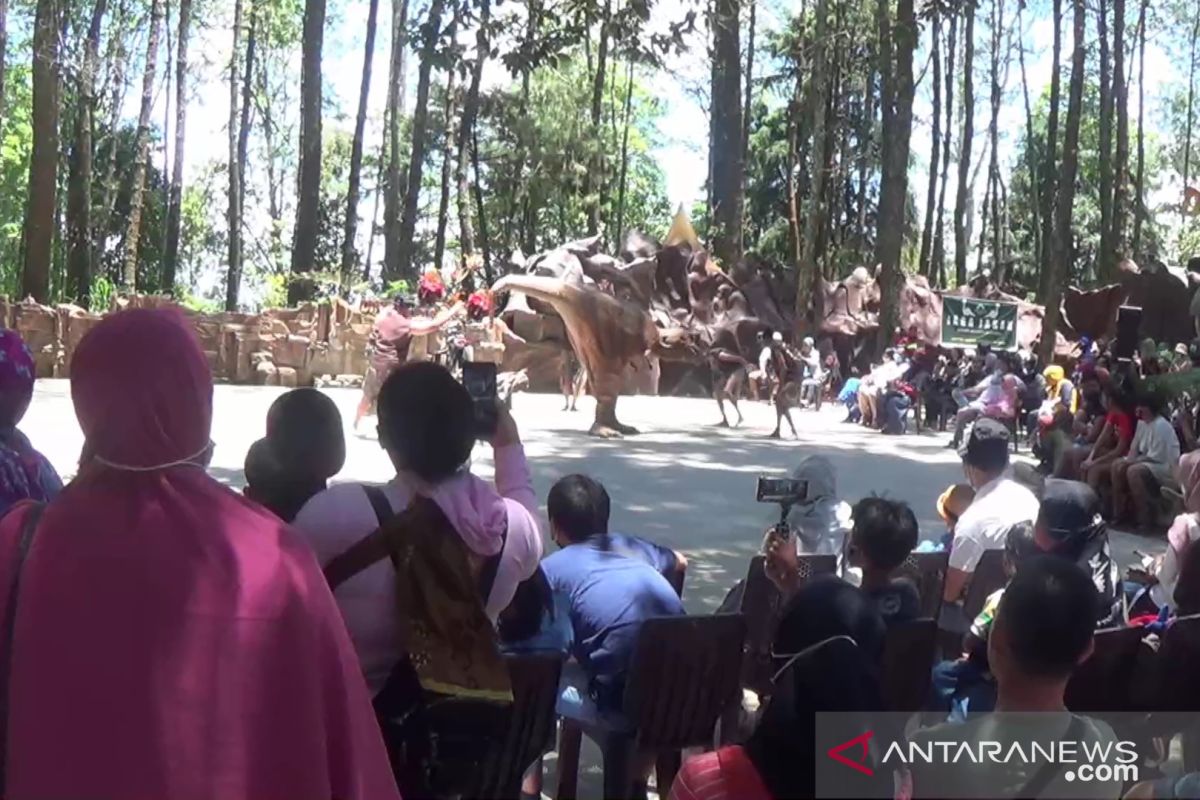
(16, 378)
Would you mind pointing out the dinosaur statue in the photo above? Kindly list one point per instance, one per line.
(606, 333)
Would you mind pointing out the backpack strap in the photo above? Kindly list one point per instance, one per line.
(28, 528)
(367, 551)
(1047, 772)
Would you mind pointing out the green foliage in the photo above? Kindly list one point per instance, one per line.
(103, 292)
(16, 143)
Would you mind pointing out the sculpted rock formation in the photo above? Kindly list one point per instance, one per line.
(606, 333)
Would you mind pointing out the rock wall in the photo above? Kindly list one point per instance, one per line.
(278, 347)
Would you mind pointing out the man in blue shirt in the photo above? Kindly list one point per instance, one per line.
(613, 583)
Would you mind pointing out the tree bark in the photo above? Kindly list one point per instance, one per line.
(393, 186)
(1105, 264)
(79, 179)
(350, 226)
(234, 283)
(1191, 99)
(593, 182)
(466, 131)
(485, 247)
(998, 270)
(137, 192)
(308, 200)
(1120, 203)
(808, 276)
(898, 41)
(106, 177)
(1049, 174)
(963, 198)
(793, 164)
(935, 147)
(233, 275)
(1066, 194)
(175, 200)
(938, 257)
(3, 51)
(1139, 210)
(624, 176)
(430, 35)
(439, 246)
(522, 203)
(748, 100)
(1031, 148)
(725, 134)
(43, 160)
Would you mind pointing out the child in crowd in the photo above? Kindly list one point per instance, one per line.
(304, 447)
(884, 533)
(965, 684)
(950, 506)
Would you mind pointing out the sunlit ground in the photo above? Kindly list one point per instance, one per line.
(682, 482)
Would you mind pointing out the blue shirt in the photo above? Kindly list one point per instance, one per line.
(611, 592)
(657, 556)
(554, 635)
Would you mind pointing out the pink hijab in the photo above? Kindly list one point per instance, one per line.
(1189, 485)
(173, 640)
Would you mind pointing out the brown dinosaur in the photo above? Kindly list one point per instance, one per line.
(606, 333)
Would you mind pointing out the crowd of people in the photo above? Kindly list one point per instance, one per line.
(167, 637)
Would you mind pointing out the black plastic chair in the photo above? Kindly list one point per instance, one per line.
(928, 572)
(684, 675)
(908, 654)
(530, 731)
(987, 578)
(1104, 683)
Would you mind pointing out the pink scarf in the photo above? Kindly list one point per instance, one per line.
(172, 639)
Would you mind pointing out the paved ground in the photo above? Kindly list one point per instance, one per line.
(681, 482)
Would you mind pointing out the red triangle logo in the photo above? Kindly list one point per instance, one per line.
(860, 742)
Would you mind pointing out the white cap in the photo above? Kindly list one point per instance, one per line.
(808, 340)
(777, 336)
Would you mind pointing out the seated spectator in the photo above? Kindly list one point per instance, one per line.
(174, 639)
(1000, 502)
(951, 505)
(1113, 442)
(1042, 632)
(25, 474)
(1069, 524)
(538, 620)
(817, 525)
(1060, 394)
(813, 382)
(611, 593)
(965, 685)
(1138, 478)
(830, 640)
(884, 533)
(996, 396)
(897, 398)
(467, 547)
(1160, 576)
(304, 448)
(848, 396)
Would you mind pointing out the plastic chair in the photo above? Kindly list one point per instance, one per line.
(1104, 682)
(908, 655)
(928, 572)
(684, 675)
(530, 731)
(987, 578)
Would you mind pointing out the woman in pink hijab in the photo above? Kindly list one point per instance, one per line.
(170, 639)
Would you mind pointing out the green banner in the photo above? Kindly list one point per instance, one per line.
(967, 322)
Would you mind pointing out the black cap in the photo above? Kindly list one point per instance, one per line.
(1068, 509)
(987, 446)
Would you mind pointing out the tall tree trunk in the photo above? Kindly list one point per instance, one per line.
(3, 51)
(308, 200)
(1106, 263)
(1031, 142)
(175, 200)
(998, 268)
(938, 269)
(393, 186)
(1049, 160)
(795, 235)
(935, 147)
(43, 160)
(430, 35)
(1139, 208)
(233, 288)
(350, 227)
(79, 179)
(897, 42)
(521, 202)
(439, 247)
(593, 181)
(137, 192)
(485, 247)
(466, 130)
(809, 273)
(116, 59)
(748, 100)
(622, 180)
(963, 199)
(233, 274)
(1120, 205)
(1191, 100)
(725, 135)
(1063, 248)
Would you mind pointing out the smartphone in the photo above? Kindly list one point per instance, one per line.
(781, 490)
(479, 379)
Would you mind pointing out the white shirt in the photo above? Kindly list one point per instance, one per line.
(764, 359)
(998, 505)
(1155, 442)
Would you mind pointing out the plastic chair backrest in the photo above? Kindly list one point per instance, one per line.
(908, 653)
(987, 578)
